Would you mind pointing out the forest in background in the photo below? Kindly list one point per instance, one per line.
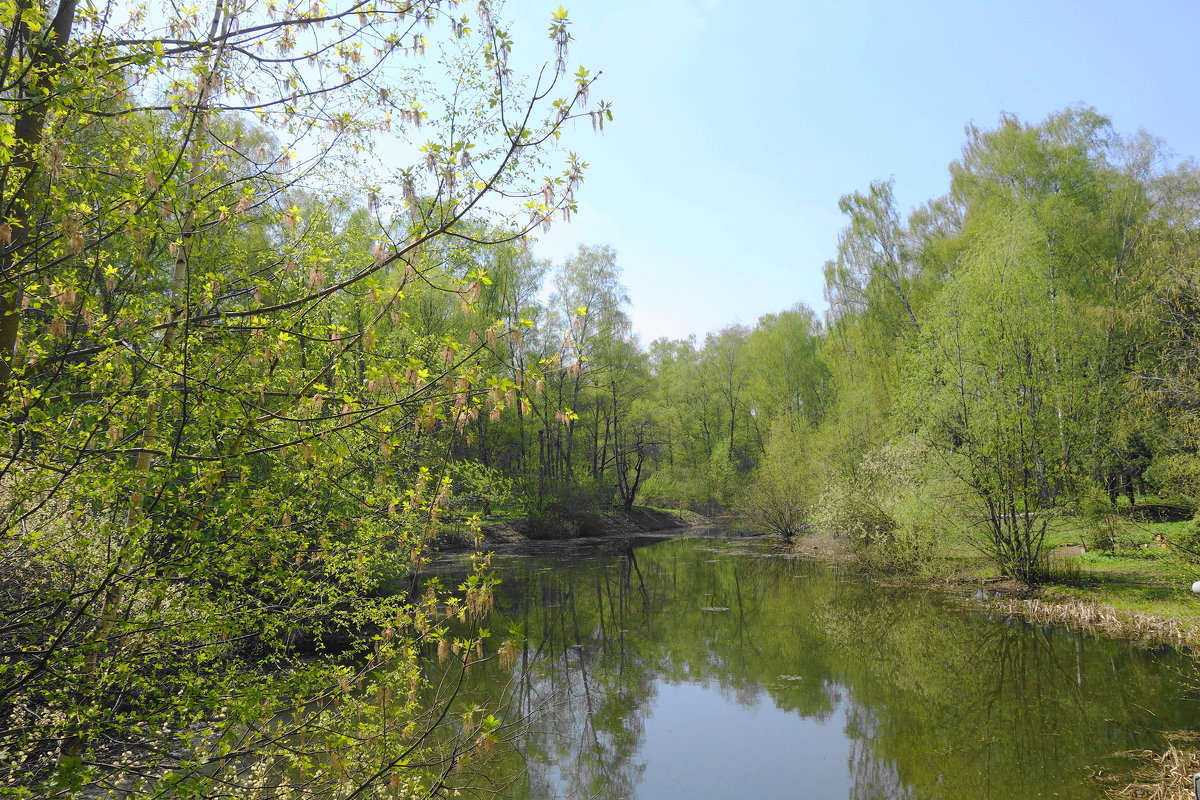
(1019, 349)
(269, 320)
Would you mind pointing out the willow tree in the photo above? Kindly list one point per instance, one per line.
(1097, 201)
(997, 386)
(213, 398)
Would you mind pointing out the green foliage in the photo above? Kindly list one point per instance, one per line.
(997, 371)
(782, 488)
(1178, 473)
(667, 489)
(772, 504)
(1100, 520)
(234, 356)
(877, 506)
(483, 487)
(1187, 541)
(245, 378)
(1032, 334)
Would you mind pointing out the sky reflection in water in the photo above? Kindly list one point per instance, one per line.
(700, 668)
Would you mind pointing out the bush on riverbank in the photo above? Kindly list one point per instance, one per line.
(890, 507)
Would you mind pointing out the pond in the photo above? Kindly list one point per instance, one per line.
(709, 667)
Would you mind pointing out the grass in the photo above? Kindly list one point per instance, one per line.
(1141, 590)
(1065, 532)
(1143, 576)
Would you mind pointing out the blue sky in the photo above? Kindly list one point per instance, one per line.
(739, 125)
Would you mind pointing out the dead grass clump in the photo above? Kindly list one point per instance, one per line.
(1096, 618)
(1162, 776)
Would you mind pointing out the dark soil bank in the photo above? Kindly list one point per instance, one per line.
(571, 526)
(610, 523)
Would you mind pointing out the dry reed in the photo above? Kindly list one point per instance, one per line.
(1162, 776)
(1142, 629)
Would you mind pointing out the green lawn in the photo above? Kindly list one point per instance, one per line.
(1142, 575)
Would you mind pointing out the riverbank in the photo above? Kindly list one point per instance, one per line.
(1153, 611)
(1136, 590)
(578, 525)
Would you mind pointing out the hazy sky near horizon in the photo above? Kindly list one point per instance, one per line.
(739, 125)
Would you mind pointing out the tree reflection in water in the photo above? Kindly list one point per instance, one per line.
(804, 679)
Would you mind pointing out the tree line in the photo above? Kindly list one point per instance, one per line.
(1017, 349)
(1021, 347)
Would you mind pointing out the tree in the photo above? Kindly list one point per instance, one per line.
(787, 375)
(874, 268)
(996, 385)
(216, 410)
(723, 370)
(783, 489)
(586, 313)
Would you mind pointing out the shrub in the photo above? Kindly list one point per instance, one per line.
(784, 487)
(885, 508)
(482, 487)
(1187, 541)
(775, 508)
(1100, 519)
(1178, 475)
(547, 527)
(670, 488)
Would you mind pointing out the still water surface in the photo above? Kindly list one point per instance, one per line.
(705, 668)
